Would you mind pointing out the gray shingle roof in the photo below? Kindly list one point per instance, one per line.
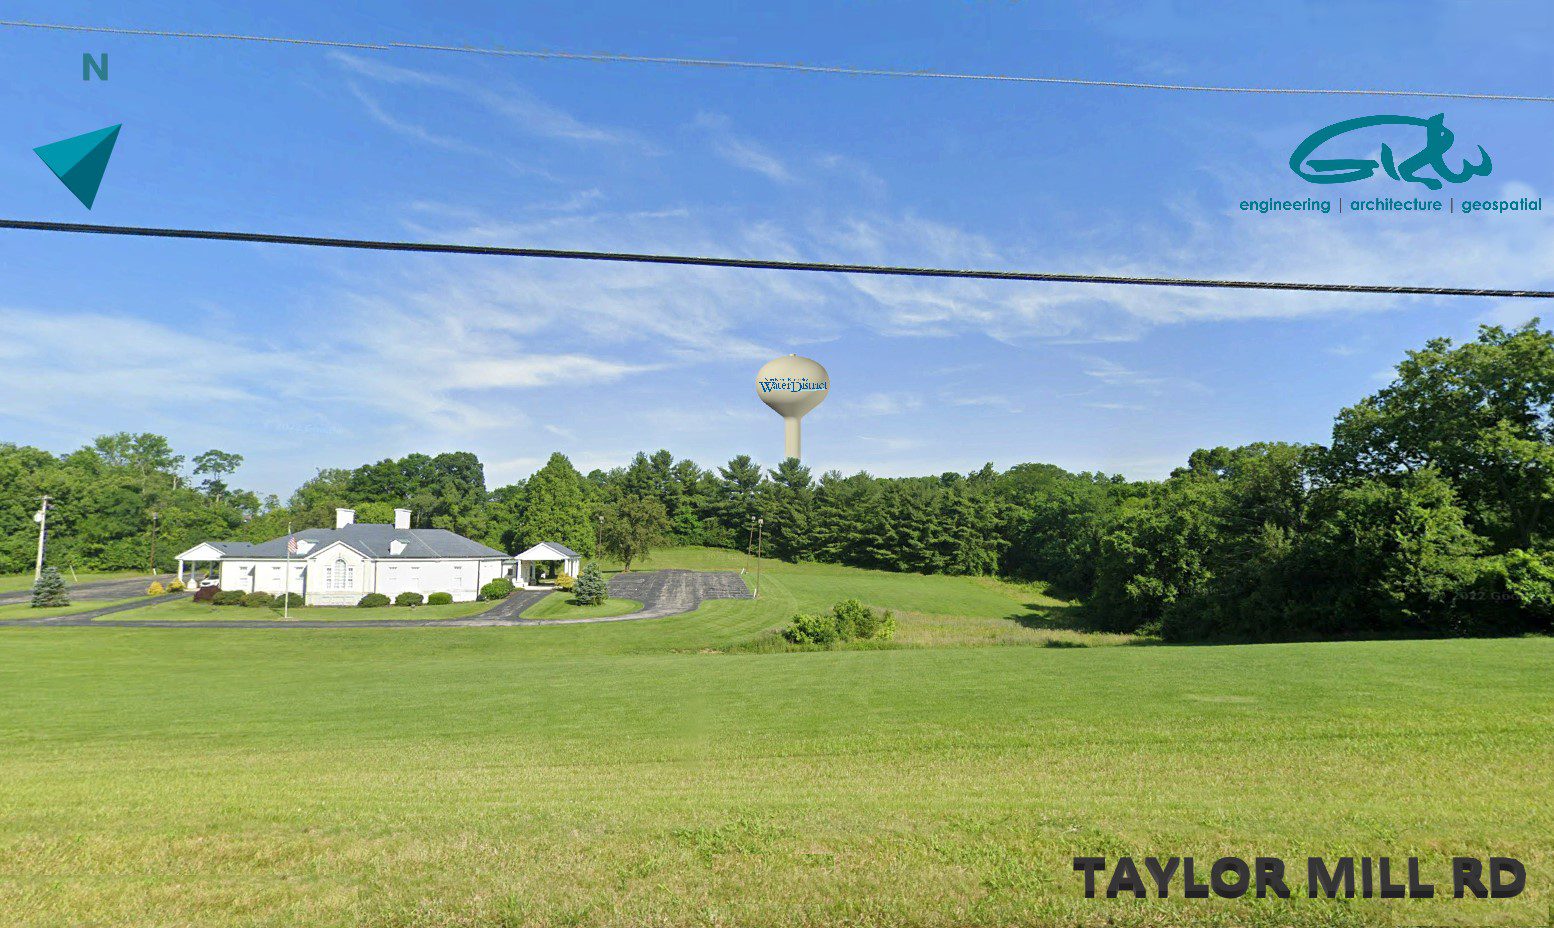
(372, 540)
(231, 547)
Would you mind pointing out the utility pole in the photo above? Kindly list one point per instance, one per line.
(42, 518)
(759, 523)
(749, 541)
(154, 516)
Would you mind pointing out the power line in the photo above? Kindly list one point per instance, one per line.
(266, 238)
(600, 57)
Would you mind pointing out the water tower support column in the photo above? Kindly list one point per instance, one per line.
(790, 434)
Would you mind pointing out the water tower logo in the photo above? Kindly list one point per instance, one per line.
(792, 386)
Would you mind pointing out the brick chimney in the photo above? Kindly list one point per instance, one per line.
(402, 518)
(344, 517)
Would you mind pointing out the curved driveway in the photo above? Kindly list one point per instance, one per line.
(94, 589)
(661, 592)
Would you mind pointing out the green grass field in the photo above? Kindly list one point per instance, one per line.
(25, 611)
(186, 610)
(561, 606)
(10, 583)
(631, 774)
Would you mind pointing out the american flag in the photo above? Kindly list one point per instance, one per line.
(291, 544)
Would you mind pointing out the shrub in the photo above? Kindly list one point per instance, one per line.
(811, 629)
(176, 587)
(288, 600)
(258, 599)
(848, 620)
(590, 589)
(49, 590)
(857, 622)
(228, 598)
(409, 598)
(439, 599)
(565, 581)
(500, 588)
(372, 601)
(206, 594)
(155, 589)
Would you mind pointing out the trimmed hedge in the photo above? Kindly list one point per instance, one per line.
(500, 588)
(439, 599)
(228, 598)
(373, 600)
(409, 598)
(292, 600)
(155, 589)
(258, 599)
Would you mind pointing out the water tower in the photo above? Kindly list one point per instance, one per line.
(792, 386)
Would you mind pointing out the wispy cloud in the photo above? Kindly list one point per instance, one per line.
(1117, 407)
(519, 109)
(985, 401)
(408, 129)
(887, 404)
(742, 152)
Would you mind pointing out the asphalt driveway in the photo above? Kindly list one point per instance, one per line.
(95, 589)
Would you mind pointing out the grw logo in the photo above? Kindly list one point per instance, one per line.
(1431, 157)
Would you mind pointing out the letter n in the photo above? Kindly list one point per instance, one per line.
(90, 64)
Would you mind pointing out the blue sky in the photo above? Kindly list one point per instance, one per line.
(306, 358)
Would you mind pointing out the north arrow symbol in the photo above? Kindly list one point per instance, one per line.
(79, 162)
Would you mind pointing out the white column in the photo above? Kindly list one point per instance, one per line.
(180, 570)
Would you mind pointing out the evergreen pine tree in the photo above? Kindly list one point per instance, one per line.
(590, 589)
(49, 590)
(555, 508)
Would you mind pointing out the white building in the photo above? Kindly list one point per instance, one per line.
(337, 567)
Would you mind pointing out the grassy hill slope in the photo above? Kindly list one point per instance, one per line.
(615, 775)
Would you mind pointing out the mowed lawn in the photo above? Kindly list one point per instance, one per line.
(184, 609)
(561, 606)
(10, 583)
(25, 610)
(630, 774)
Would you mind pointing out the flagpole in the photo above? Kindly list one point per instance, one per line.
(286, 602)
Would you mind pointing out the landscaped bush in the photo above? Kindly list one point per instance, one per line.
(372, 601)
(176, 587)
(48, 591)
(228, 598)
(258, 599)
(591, 590)
(409, 598)
(155, 589)
(848, 620)
(565, 581)
(206, 594)
(500, 588)
(288, 601)
(439, 599)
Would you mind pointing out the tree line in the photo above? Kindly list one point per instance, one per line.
(1424, 515)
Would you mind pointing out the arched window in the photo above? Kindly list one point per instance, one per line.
(341, 578)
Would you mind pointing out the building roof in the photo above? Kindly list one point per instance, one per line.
(231, 547)
(540, 551)
(372, 540)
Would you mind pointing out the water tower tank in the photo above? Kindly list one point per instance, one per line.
(792, 386)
